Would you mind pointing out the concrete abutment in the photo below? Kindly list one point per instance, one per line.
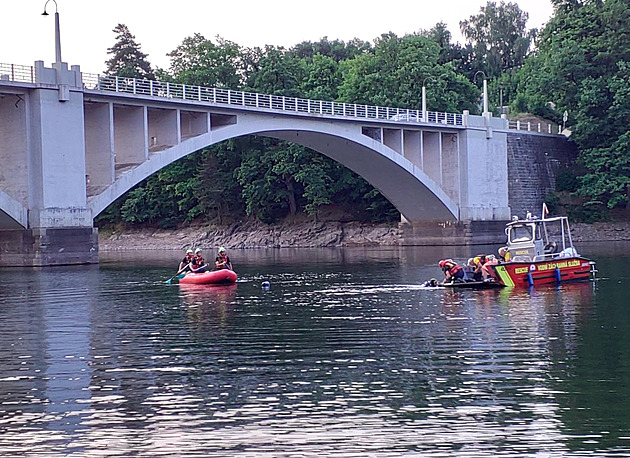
(48, 247)
(443, 233)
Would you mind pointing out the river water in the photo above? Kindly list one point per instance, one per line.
(345, 354)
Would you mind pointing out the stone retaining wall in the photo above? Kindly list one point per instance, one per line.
(533, 165)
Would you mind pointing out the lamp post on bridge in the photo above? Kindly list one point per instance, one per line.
(485, 90)
(425, 117)
(57, 38)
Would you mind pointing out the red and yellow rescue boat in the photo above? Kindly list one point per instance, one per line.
(540, 251)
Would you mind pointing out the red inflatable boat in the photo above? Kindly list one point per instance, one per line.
(212, 277)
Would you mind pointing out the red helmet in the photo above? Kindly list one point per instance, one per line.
(442, 263)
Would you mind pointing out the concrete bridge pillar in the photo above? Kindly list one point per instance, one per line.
(46, 148)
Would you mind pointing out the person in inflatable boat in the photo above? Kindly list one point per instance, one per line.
(184, 266)
(198, 264)
(222, 260)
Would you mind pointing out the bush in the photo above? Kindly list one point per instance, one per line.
(567, 180)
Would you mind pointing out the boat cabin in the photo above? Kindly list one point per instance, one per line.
(534, 239)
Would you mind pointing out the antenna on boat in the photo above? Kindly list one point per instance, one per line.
(544, 213)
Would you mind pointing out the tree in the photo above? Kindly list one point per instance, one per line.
(201, 62)
(219, 193)
(582, 66)
(321, 79)
(127, 59)
(277, 72)
(336, 49)
(393, 74)
(498, 38)
(449, 52)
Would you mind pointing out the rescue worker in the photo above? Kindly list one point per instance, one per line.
(504, 254)
(478, 262)
(198, 264)
(184, 266)
(452, 271)
(486, 272)
(222, 260)
(469, 269)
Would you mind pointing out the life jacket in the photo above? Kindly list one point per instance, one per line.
(451, 267)
(198, 261)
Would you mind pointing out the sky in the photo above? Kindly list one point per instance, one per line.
(159, 26)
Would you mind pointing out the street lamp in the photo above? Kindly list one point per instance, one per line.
(424, 99)
(57, 39)
(485, 90)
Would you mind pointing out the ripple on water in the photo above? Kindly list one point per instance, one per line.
(353, 362)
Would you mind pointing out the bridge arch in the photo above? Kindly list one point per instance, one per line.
(13, 215)
(414, 194)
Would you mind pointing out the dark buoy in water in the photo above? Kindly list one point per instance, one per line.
(265, 285)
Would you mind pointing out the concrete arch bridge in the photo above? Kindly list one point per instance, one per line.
(72, 143)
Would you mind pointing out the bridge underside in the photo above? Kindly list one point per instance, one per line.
(416, 197)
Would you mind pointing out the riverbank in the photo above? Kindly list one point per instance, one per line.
(254, 234)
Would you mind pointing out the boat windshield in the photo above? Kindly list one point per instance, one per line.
(519, 234)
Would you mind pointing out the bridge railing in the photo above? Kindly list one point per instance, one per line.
(266, 101)
(17, 73)
(26, 74)
(540, 127)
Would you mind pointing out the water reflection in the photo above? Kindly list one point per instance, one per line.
(208, 306)
(344, 354)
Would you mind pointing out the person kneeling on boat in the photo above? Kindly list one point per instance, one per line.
(184, 266)
(469, 270)
(453, 272)
(478, 262)
(198, 264)
(491, 260)
(222, 260)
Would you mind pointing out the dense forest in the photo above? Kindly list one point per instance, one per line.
(578, 64)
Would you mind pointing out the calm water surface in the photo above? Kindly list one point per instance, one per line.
(344, 355)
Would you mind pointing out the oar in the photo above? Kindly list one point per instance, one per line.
(182, 269)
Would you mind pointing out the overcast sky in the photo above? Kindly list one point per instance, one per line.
(160, 26)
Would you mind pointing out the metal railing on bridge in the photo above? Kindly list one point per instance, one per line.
(257, 100)
(219, 96)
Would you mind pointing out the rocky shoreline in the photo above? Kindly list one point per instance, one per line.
(254, 234)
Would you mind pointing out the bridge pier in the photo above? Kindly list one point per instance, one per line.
(440, 233)
(48, 247)
(43, 179)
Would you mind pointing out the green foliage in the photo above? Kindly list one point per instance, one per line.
(567, 180)
(608, 176)
(498, 38)
(336, 49)
(127, 59)
(220, 195)
(276, 72)
(589, 213)
(201, 62)
(322, 77)
(393, 74)
(165, 199)
(581, 65)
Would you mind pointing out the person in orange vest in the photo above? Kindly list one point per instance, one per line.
(222, 260)
(452, 271)
(198, 264)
